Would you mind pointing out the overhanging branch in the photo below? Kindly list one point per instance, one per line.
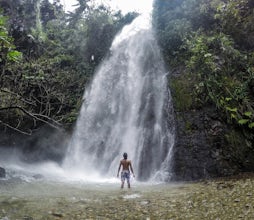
(37, 117)
(15, 129)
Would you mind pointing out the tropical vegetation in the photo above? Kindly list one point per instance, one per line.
(209, 47)
(47, 58)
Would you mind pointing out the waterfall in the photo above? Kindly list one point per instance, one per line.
(127, 108)
(38, 17)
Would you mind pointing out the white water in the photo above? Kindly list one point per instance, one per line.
(127, 108)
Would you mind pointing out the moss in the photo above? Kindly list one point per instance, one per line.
(182, 92)
(188, 126)
(240, 148)
(234, 139)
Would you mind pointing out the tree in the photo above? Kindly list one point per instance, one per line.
(47, 86)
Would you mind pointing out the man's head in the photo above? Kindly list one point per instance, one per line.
(125, 155)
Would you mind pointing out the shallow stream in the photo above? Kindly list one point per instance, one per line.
(48, 199)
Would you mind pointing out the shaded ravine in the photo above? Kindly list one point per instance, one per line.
(127, 108)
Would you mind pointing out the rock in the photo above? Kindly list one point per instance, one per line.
(57, 214)
(38, 176)
(2, 172)
(202, 150)
(144, 202)
(27, 218)
(249, 194)
(247, 205)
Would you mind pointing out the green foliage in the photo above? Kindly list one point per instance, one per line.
(182, 93)
(14, 55)
(7, 48)
(236, 19)
(217, 63)
(57, 50)
(237, 144)
(210, 45)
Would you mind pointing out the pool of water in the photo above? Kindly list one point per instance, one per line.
(37, 197)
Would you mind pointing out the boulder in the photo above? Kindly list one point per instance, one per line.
(2, 172)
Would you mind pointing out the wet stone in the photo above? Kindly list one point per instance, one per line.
(144, 202)
(2, 173)
(56, 214)
(27, 218)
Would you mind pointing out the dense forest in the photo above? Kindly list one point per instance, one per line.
(48, 56)
(212, 42)
(208, 46)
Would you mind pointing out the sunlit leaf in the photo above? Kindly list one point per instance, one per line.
(248, 114)
(233, 116)
(243, 121)
(14, 55)
(251, 125)
(208, 55)
(231, 109)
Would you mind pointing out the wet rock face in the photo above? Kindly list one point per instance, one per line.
(201, 150)
(2, 172)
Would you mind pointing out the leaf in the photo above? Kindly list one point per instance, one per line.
(233, 116)
(248, 114)
(251, 125)
(231, 109)
(14, 55)
(221, 102)
(5, 41)
(243, 121)
(208, 55)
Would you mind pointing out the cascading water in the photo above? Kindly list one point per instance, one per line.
(127, 108)
(37, 10)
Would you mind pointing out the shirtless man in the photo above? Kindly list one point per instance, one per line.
(126, 167)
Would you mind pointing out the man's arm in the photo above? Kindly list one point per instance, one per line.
(132, 169)
(119, 169)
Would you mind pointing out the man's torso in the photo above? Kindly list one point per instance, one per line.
(125, 164)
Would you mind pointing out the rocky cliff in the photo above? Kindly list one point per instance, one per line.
(207, 147)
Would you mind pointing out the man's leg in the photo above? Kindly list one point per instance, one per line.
(122, 179)
(128, 180)
(129, 185)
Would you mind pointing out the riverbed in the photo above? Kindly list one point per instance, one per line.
(231, 198)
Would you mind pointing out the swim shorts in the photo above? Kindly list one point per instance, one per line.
(125, 174)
